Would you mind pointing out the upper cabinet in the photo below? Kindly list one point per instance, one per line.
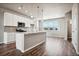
(12, 20)
(9, 19)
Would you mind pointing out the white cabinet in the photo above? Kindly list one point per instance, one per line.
(28, 23)
(9, 37)
(15, 20)
(31, 21)
(24, 20)
(26, 41)
(9, 19)
(12, 20)
(5, 37)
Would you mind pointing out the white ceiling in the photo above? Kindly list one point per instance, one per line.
(55, 10)
(14, 6)
(51, 10)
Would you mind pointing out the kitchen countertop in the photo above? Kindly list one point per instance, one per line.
(26, 32)
(30, 32)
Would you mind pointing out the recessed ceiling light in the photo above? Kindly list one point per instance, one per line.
(31, 16)
(19, 8)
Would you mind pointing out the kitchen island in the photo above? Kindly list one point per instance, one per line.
(28, 40)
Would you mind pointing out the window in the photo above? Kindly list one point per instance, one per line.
(51, 25)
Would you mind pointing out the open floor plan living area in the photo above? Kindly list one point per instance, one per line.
(39, 29)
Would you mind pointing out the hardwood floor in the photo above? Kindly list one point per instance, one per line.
(52, 47)
(9, 50)
(59, 47)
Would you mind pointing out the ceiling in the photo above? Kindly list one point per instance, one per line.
(47, 10)
(56, 10)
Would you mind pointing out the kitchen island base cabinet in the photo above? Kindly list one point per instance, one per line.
(27, 41)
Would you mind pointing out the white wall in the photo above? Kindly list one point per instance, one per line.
(55, 10)
(68, 17)
(62, 32)
(1, 26)
(51, 11)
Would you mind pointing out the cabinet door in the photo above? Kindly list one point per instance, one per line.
(9, 19)
(18, 19)
(15, 20)
(5, 37)
(28, 22)
(11, 37)
(31, 21)
(12, 20)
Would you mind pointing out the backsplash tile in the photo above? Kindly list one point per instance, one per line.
(9, 28)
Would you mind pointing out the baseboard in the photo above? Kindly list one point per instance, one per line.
(32, 47)
(9, 42)
(56, 37)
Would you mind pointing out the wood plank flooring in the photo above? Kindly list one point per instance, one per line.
(52, 47)
(59, 47)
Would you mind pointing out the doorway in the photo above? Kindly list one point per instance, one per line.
(69, 27)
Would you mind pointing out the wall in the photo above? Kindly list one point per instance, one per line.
(68, 17)
(70, 29)
(61, 33)
(69, 26)
(51, 11)
(1, 26)
(55, 10)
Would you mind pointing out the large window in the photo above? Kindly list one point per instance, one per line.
(51, 25)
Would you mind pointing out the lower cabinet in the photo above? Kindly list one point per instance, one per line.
(9, 37)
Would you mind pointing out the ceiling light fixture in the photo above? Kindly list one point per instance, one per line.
(31, 16)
